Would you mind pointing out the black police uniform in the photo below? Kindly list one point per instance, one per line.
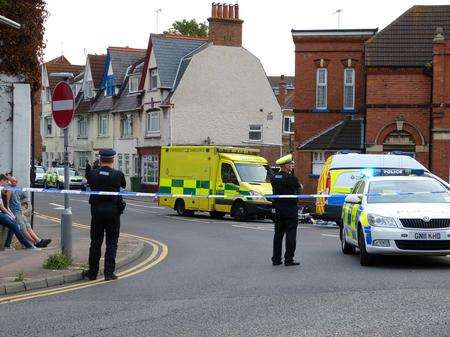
(286, 215)
(105, 212)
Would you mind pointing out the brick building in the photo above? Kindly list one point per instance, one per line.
(396, 80)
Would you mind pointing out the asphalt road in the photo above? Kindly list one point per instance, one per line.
(218, 281)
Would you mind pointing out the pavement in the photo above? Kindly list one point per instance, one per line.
(217, 280)
(29, 263)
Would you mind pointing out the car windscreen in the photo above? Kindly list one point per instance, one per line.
(72, 173)
(252, 172)
(428, 191)
(39, 170)
(348, 179)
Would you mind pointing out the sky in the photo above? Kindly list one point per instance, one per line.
(76, 28)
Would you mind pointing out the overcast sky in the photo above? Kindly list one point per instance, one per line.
(90, 26)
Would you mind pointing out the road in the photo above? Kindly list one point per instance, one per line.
(217, 280)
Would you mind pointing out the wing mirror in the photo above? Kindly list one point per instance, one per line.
(353, 199)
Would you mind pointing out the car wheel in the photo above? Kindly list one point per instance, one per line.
(180, 207)
(217, 215)
(365, 259)
(345, 246)
(239, 211)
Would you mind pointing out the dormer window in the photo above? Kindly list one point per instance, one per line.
(134, 83)
(110, 86)
(153, 78)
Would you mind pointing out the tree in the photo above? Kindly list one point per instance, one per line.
(21, 50)
(190, 28)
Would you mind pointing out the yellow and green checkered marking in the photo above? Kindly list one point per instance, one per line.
(184, 186)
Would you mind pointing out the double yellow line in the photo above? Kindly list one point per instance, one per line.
(159, 253)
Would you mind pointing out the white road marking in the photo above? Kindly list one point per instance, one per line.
(140, 211)
(57, 206)
(184, 219)
(331, 235)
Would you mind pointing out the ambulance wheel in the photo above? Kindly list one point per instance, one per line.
(181, 208)
(217, 215)
(239, 211)
(365, 259)
(346, 247)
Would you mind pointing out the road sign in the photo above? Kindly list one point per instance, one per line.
(62, 105)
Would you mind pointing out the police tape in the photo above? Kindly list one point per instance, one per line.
(209, 196)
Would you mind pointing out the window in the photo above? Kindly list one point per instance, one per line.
(103, 120)
(82, 124)
(120, 162)
(255, 133)
(150, 169)
(89, 90)
(152, 121)
(321, 89)
(110, 86)
(135, 165)
(48, 126)
(318, 162)
(288, 124)
(126, 126)
(83, 156)
(127, 164)
(349, 89)
(153, 78)
(134, 83)
(228, 175)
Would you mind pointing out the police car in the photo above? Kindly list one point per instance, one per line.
(396, 215)
(54, 178)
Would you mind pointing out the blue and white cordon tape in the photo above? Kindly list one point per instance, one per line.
(211, 196)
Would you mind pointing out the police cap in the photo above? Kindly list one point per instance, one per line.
(107, 153)
(285, 160)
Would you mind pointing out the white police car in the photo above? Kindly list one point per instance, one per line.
(396, 215)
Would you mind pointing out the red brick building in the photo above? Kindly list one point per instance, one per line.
(400, 94)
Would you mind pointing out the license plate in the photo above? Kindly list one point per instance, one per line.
(428, 236)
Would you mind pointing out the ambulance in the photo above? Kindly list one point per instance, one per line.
(342, 171)
(236, 177)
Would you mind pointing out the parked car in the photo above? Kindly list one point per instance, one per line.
(39, 179)
(54, 178)
(396, 215)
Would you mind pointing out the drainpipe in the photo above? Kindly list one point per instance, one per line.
(430, 128)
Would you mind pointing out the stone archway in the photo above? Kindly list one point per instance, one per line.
(399, 141)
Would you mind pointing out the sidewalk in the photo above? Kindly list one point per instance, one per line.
(30, 262)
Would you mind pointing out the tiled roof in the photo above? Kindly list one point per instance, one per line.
(61, 65)
(122, 58)
(184, 64)
(168, 51)
(346, 135)
(408, 41)
(275, 81)
(129, 101)
(102, 103)
(97, 63)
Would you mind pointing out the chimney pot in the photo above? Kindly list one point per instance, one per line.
(214, 10)
(439, 37)
(231, 12)
(236, 11)
(225, 11)
(219, 10)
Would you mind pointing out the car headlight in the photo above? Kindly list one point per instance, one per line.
(381, 221)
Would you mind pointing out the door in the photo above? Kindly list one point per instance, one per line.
(227, 185)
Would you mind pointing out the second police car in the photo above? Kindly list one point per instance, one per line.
(396, 215)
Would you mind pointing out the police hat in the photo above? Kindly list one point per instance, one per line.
(285, 160)
(107, 153)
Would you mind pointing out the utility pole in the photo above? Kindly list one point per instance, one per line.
(159, 10)
(338, 12)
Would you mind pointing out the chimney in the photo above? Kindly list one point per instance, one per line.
(225, 27)
(282, 92)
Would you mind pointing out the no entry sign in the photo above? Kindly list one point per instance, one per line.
(62, 105)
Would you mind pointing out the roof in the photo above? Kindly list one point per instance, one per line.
(127, 101)
(102, 103)
(339, 33)
(345, 135)
(184, 64)
(355, 160)
(121, 59)
(275, 81)
(97, 64)
(169, 51)
(289, 103)
(408, 41)
(59, 65)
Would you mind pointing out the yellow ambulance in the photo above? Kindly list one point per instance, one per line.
(220, 171)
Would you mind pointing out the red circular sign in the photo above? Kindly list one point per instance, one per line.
(62, 105)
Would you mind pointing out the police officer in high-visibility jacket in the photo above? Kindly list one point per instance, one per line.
(286, 211)
(105, 212)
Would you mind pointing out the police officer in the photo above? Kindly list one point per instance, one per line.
(105, 212)
(286, 211)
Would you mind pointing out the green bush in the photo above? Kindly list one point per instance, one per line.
(57, 261)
